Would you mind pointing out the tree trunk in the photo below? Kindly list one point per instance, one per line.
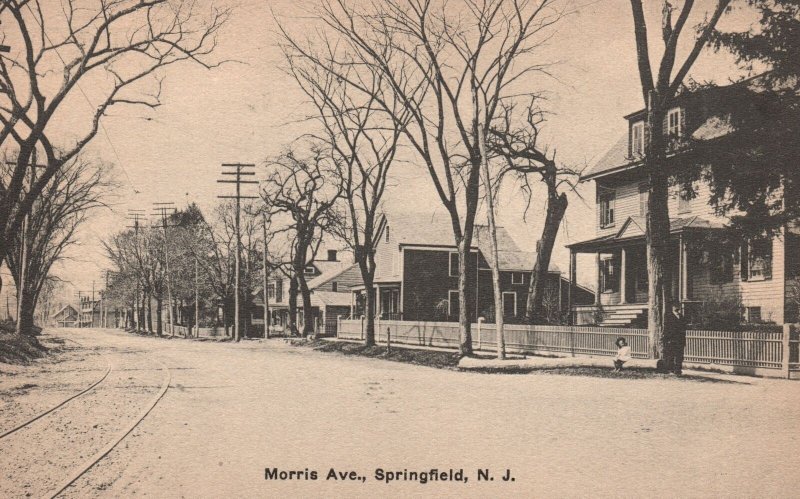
(159, 318)
(25, 316)
(498, 296)
(465, 340)
(556, 208)
(291, 325)
(149, 312)
(308, 313)
(369, 311)
(658, 234)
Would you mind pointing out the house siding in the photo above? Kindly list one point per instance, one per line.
(427, 281)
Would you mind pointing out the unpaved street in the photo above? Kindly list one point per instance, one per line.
(233, 410)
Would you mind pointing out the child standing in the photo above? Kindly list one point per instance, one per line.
(623, 353)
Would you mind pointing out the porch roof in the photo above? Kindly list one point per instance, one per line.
(634, 229)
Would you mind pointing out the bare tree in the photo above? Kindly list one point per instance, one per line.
(63, 207)
(659, 95)
(364, 139)
(305, 189)
(432, 56)
(515, 141)
(118, 47)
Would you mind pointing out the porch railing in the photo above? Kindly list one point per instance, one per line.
(748, 349)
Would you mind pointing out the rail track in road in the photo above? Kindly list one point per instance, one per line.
(108, 444)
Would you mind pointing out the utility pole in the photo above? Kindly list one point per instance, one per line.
(165, 209)
(80, 310)
(136, 216)
(240, 170)
(266, 276)
(196, 298)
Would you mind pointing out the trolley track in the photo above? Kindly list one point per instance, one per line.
(63, 438)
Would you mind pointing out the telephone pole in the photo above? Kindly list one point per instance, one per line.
(164, 210)
(264, 219)
(137, 216)
(239, 170)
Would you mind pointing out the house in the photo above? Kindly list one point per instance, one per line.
(66, 317)
(711, 264)
(330, 281)
(416, 275)
(89, 312)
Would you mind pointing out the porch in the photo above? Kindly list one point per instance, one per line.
(388, 303)
(620, 261)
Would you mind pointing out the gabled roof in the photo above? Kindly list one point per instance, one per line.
(616, 159)
(331, 298)
(331, 272)
(436, 230)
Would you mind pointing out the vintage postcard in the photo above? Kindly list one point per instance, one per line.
(399, 248)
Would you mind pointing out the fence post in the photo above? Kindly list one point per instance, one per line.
(338, 325)
(362, 327)
(787, 334)
(388, 339)
(480, 323)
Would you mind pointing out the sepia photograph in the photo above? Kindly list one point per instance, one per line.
(399, 248)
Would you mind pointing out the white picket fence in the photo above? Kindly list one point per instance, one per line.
(205, 332)
(752, 349)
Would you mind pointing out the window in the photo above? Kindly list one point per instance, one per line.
(607, 208)
(637, 139)
(644, 194)
(509, 304)
(721, 268)
(757, 260)
(386, 236)
(452, 303)
(453, 264)
(271, 291)
(674, 123)
(609, 274)
(517, 278)
(685, 195)
(279, 290)
(334, 286)
(308, 270)
(753, 314)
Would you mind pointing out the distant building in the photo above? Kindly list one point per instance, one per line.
(66, 317)
(330, 281)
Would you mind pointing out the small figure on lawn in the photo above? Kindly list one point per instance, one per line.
(623, 353)
(679, 339)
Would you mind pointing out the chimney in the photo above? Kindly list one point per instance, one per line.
(331, 255)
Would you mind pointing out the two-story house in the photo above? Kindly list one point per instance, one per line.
(330, 281)
(416, 275)
(710, 262)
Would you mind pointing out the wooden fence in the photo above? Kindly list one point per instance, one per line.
(750, 349)
(208, 332)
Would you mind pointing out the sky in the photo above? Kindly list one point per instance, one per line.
(249, 110)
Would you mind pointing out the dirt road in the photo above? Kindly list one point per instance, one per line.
(233, 410)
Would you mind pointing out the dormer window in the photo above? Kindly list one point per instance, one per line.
(674, 127)
(387, 234)
(637, 139)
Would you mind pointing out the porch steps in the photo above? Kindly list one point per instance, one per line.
(623, 315)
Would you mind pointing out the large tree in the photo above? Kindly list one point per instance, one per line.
(364, 139)
(515, 140)
(302, 189)
(109, 53)
(450, 66)
(51, 228)
(659, 92)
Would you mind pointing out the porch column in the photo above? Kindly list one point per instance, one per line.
(623, 270)
(571, 290)
(599, 279)
(378, 310)
(683, 261)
